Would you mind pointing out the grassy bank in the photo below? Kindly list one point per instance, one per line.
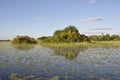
(93, 43)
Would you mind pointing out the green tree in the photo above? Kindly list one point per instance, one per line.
(71, 34)
(106, 37)
(94, 38)
(82, 37)
(57, 36)
(45, 39)
(115, 37)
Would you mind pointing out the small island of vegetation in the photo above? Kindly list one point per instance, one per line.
(70, 36)
(23, 40)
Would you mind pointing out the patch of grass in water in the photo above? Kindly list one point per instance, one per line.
(23, 46)
(55, 78)
(22, 77)
(92, 43)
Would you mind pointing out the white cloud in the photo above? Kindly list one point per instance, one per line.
(92, 1)
(92, 19)
(95, 19)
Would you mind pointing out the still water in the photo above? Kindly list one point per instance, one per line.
(68, 63)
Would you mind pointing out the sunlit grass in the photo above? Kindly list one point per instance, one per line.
(49, 44)
(93, 43)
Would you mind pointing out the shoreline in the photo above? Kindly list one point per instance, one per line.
(91, 44)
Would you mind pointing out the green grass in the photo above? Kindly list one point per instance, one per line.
(93, 43)
(106, 43)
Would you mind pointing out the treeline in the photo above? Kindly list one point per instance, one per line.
(4, 40)
(104, 37)
(68, 35)
(71, 34)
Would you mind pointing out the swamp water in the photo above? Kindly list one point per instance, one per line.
(65, 63)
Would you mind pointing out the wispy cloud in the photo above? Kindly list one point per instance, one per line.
(95, 19)
(92, 1)
(41, 19)
(93, 32)
(101, 28)
(92, 19)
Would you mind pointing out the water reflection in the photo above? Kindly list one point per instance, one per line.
(69, 52)
(24, 47)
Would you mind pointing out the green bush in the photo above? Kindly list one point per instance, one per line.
(23, 39)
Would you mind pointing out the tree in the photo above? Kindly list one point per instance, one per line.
(66, 35)
(82, 37)
(115, 37)
(94, 37)
(57, 36)
(106, 37)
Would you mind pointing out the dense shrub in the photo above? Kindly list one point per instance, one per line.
(23, 39)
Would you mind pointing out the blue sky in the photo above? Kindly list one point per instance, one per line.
(37, 18)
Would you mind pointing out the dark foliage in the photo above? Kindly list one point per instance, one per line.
(23, 39)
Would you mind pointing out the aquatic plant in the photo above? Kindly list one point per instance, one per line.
(22, 77)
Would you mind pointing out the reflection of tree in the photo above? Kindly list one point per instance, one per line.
(23, 46)
(69, 52)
